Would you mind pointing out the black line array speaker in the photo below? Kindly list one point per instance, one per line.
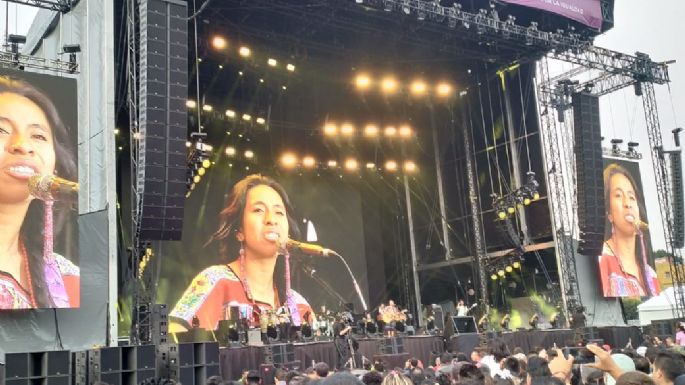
(678, 209)
(163, 121)
(160, 324)
(50, 368)
(589, 173)
(167, 361)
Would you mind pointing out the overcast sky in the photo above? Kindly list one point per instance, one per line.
(653, 27)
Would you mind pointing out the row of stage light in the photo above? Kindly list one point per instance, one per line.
(229, 113)
(523, 196)
(290, 161)
(221, 44)
(502, 271)
(370, 130)
(389, 85)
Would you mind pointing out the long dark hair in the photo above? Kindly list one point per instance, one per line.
(231, 217)
(609, 172)
(31, 232)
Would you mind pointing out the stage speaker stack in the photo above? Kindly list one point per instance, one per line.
(163, 120)
(160, 324)
(588, 335)
(125, 365)
(391, 345)
(167, 361)
(589, 173)
(678, 209)
(45, 368)
(197, 362)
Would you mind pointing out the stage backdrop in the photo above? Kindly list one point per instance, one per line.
(332, 205)
(625, 207)
(30, 145)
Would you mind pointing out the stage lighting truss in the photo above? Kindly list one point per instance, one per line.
(617, 152)
(486, 22)
(506, 205)
(197, 160)
(505, 266)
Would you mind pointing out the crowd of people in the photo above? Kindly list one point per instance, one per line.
(497, 364)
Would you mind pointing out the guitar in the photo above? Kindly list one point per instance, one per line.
(462, 313)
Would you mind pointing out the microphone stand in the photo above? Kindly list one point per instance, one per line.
(310, 271)
(354, 281)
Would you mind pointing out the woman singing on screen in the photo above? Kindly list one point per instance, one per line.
(33, 140)
(252, 227)
(623, 265)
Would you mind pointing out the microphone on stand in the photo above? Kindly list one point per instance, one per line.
(309, 248)
(50, 187)
(642, 225)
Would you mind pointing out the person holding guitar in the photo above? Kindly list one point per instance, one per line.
(462, 309)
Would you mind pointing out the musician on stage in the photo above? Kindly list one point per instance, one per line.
(578, 318)
(390, 314)
(341, 335)
(462, 309)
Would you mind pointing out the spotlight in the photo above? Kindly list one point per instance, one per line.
(188, 144)
(116, 131)
(191, 103)
(405, 131)
(244, 51)
(272, 62)
(418, 88)
(363, 81)
(516, 265)
(206, 163)
(330, 129)
(247, 117)
(390, 131)
(201, 171)
(536, 196)
(351, 164)
(370, 166)
(332, 164)
(391, 165)
(290, 67)
(371, 130)
(288, 160)
(389, 85)
(207, 108)
(615, 143)
(493, 277)
(526, 201)
(443, 89)
(409, 166)
(249, 154)
(501, 214)
(196, 179)
(308, 162)
(511, 210)
(347, 129)
(509, 269)
(230, 151)
(260, 120)
(137, 135)
(230, 114)
(500, 272)
(219, 42)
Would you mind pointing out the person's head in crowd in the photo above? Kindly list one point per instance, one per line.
(441, 379)
(537, 367)
(321, 370)
(622, 361)
(667, 366)
(669, 342)
(472, 381)
(279, 376)
(634, 378)
(33, 141)
(214, 380)
(499, 349)
(468, 371)
(396, 378)
(379, 366)
(417, 376)
(413, 362)
(642, 365)
(290, 375)
(298, 380)
(513, 365)
(476, 355)
(445, 358)
(618, 351)
(367, 364)
(341, 378)
(546, 381)
(461, 357)
(517, 350)
(253, 378)
(372, 378)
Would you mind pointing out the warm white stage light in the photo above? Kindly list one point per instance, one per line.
(418, 88)
(249, 154)
(260, 120)
(332, 163)
(391, 165)
(444, 89)
(409, 166)
(289, 160)
(247, 117)
(308, 162)
(191, 103)
(272, 62)
(390, 131)
(219, 42)
(389, 85)
(290, 67)
(347, 129)
(405, 131)
(363, 81)
(351, 164)
(330, 129)
(244, 51)
(371, 130)
(230, 151)
(230, 113)
(207, 108)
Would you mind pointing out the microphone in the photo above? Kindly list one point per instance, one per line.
(309, 248)
(50, 187)
(642, 225)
